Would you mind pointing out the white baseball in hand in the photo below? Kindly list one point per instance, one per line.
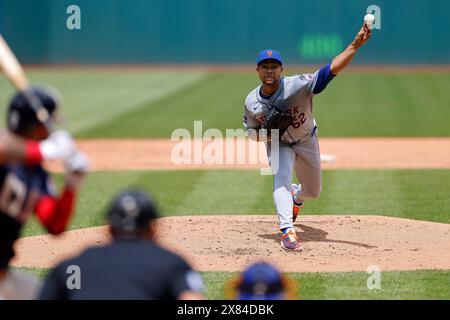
(369, 19)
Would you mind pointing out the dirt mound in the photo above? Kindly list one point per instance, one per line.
(229, 243)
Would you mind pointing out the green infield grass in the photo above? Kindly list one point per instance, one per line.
(414, 194)
(420, 284)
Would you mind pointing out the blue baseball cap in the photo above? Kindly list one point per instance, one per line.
(261, 281)
(269, 54)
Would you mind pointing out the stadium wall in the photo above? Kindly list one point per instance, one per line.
(231, 31)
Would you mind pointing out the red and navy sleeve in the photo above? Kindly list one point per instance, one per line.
(54, 211)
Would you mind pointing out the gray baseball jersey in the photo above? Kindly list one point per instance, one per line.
(295, 95)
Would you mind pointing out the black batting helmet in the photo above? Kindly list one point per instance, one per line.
(131, 211)
(21, 115)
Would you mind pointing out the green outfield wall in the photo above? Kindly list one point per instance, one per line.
(226, 31)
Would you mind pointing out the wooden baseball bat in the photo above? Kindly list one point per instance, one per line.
(16, 75)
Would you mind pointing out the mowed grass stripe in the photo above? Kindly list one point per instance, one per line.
(153, 104)
(134, 93)
(92, 98)
(217, 101)
(386, 105)
(352, 105)
(383, 105)
(394, 285)
(214, 187)
(415, 194)
(373, 193)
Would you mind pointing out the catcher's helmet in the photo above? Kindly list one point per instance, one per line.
(131, 211)
(22, 117)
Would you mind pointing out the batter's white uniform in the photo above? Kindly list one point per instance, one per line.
(299, 146)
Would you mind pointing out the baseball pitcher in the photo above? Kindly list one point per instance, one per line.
(285, 104)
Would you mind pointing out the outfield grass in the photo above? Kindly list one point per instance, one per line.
(353, 105)
(415, 194)
(92, 98)
(423, 284)
(153, 104)
(217, 100)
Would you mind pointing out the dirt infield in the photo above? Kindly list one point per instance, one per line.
(351, 153)
(229, 243)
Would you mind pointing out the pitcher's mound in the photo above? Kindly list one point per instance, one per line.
(230, 243)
